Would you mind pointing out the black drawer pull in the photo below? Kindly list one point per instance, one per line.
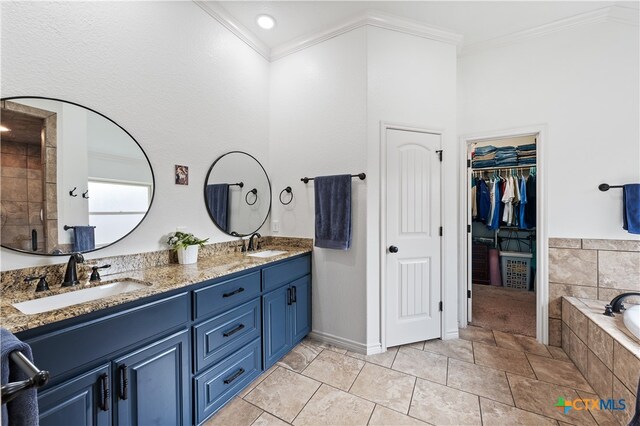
(294, 294)
(240, 290)
(124, 382)
(233, 331)
(234, 376)
(104, 392)
(289, 296)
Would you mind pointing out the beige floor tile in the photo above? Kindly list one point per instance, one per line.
(495, 413)
(502, 359)
(322, 345)
(442, 405)
(483, 381)
(334, 369)
(299, 357)
(602, 417)
(520, 343)
(456, 348)
(383, 416)
(541, 397)
(563, 373)
(384, 359)
(267, 419)
(620, 391)
(330, 406)
(238, 412)
(416, 345)
(284, 393)
(425, 365)
(558, 353)
(257, 381)
(477, 334)
(383, 386)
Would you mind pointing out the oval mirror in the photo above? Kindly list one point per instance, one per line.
(73, 180)
(237, 193)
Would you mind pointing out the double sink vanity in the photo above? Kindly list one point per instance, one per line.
(151, 341)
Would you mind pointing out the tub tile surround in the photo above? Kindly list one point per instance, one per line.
(476, 391)
(608, 357)
(158, 269)
(589, 269)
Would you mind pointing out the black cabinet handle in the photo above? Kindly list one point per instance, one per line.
(235, 375)
(289, 296)
(294, 294)
(240, 290)
(124, 382)
(104, 392)
(233, 331)
(393, 249)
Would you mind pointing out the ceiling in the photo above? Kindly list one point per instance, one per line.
(477, 21)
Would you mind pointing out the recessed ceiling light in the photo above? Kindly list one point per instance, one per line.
(4, 129)
(265, 22)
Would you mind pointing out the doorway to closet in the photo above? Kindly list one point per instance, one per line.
(502, 220)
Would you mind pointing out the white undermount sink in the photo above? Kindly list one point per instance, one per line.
(58, 301)
(631, 319)
(267, 253)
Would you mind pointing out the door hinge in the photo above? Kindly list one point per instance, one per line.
(468, 294)
(468, 163)
(440, 231)
(439, 152)
(440, 306)
(468, 229)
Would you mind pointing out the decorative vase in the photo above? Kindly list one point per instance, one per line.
(188, 255)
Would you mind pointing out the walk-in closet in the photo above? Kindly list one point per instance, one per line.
(502, 200)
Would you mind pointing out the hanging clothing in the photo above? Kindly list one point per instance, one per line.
(522, 224)
(484, 201)
(530, 209)
(474, 205)
(507, 199)
(495, 219)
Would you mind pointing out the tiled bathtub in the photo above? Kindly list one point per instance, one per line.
(606, 353)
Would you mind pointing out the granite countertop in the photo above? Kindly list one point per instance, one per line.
(159, 279)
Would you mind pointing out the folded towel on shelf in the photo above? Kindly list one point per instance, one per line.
(527, 147)
(23, 410)
(527, 161)
(218, 204)
(482, 150)
(489, 156)
(479, 164)
(631, 208)
(526, 153)
(333, 211)
(84, 238)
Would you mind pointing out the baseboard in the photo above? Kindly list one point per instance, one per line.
(450, 335)
(340, 342)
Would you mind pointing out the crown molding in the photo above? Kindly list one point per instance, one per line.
(372, 18)
(220, 14)
(615, 14)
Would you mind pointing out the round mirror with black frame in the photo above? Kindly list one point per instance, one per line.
(237, 193)
(73, 180)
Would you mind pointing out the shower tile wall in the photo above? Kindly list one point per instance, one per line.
(21, 196)
(592, 269)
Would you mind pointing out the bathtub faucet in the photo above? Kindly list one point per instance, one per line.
(616, 304)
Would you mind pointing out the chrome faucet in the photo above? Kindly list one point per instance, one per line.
(71, 274)
(616, 304)
(251, 246)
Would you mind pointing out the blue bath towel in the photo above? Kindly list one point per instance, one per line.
(84, 238)
(218, 204)
(23, 410)
(333, 212)
(631, 208)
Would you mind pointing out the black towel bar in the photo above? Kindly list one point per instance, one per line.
(362, 176)
(605, 186)
(240, 184)
(67, 227)
(37, 378)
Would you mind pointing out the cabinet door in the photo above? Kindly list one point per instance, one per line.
(276, 325)
(152, 383)
(301, 308)
(83, 400)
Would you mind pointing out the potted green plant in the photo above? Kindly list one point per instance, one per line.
(186, 245)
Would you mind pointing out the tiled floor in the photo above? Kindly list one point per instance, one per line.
(484, 378)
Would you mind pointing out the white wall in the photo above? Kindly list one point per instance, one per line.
(165, 71)
(318, 127)
(583, 84)
(411, 81)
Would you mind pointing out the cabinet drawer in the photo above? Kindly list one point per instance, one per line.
(219, 384)
(226, 333)
(223, 295)
(283, 273)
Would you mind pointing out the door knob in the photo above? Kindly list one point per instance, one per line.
(393, 249)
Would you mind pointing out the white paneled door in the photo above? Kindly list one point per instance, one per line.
(413, 238)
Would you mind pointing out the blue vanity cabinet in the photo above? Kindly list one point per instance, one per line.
(152, 383)
(82, 401)
(300, 308)
(276, 325)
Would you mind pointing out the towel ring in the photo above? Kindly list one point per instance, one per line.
(254, 191)
(288, 190)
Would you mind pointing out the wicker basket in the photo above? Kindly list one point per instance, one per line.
(516, 269)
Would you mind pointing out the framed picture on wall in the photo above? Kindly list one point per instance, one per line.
(182, 175)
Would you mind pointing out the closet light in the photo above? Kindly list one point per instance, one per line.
(265, 22)
(4, 129)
